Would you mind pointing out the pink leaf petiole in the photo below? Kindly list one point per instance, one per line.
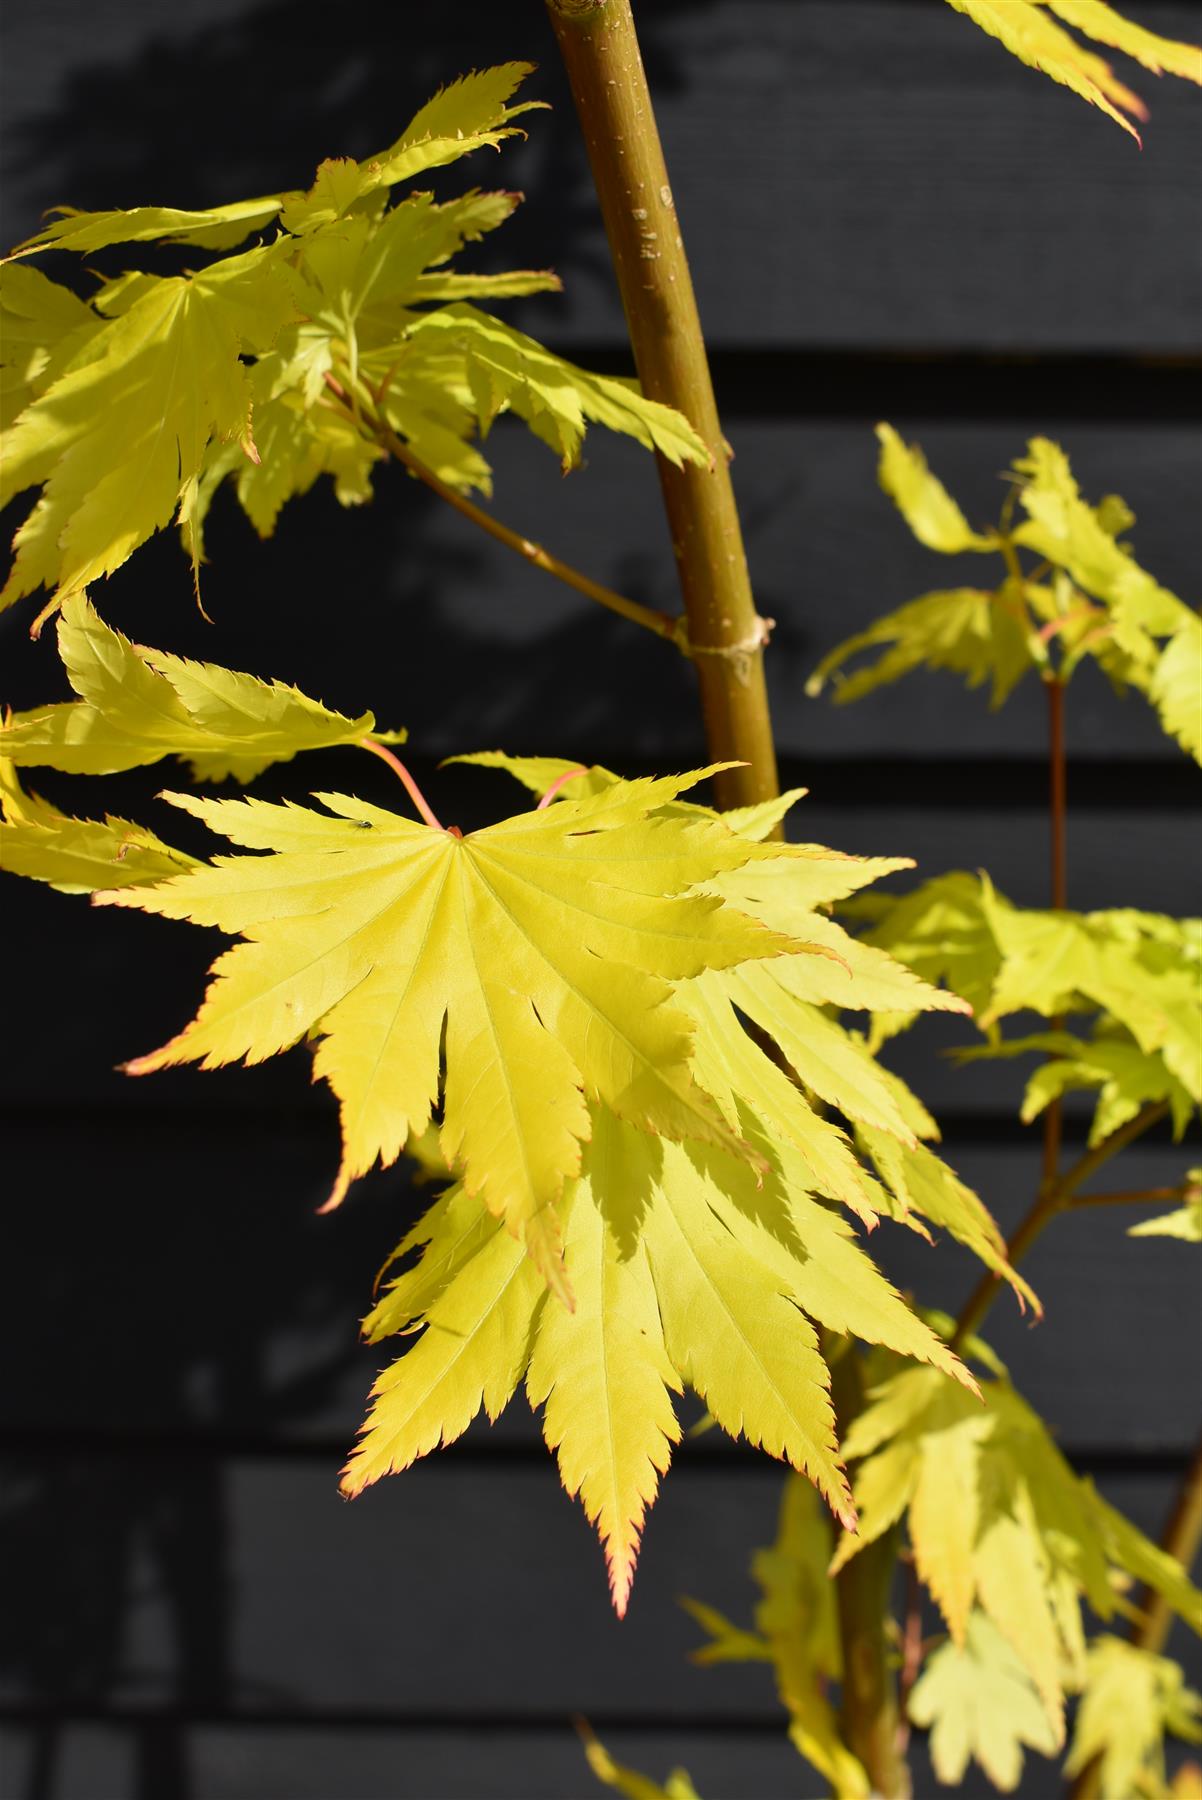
(555, 786)
(411, 788)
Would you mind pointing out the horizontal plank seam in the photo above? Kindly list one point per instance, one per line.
(61, 1443)
(772, 382)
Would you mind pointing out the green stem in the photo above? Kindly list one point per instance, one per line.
(870, 1720)
(601, 53)
(1054, 1197)
(1182, 1536)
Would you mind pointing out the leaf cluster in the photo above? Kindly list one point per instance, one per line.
(349, 329)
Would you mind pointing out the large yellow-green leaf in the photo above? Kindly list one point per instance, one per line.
(979, 1703)
(688, 1267)
(602, 1371)
(1027, 31)
(137, 705)
(77, 856)
(546, 942)
(784, 1000)
(1132, 1699)
(116, 440)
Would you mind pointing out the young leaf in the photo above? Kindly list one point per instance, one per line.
(628, 1781)
(978, 1702)
(798, 1618)
(118, 437)
(136, 706)
(980, 635)
(1097, 602)
(1132, 1699)
(922, 499)
(797, 1630)
(77, 856)
(1027, 31)
(927, 1188)
(1124, 1077)
(1137, 971)
(1184, 1222)
(547, 943)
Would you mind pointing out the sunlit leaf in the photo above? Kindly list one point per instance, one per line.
(136, 706)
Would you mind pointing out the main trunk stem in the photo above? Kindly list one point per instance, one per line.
(601, 52)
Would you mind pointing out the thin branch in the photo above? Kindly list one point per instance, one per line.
(911, 1651)
(1129, 1197)
(1182, 1536)
(660, 623)
(1054, 1197)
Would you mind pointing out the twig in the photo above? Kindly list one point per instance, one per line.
(1053, 1198)
(1129, 1197)
(662, 624)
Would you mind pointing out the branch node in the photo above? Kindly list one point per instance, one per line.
(738, 654)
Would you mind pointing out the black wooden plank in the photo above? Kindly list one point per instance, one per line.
(404, 607)
(180, 1288)
(117, 983)
(832, 163)
(74, 1761)
(249, 1589)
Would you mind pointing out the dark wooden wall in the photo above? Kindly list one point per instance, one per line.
(887, 219)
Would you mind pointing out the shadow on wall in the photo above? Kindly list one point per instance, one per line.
(187, 1307)
(249, 100)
